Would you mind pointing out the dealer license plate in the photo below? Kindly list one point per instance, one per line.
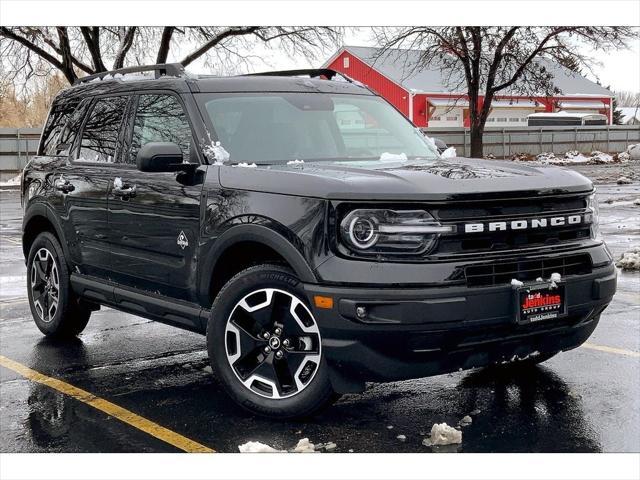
(540, 302)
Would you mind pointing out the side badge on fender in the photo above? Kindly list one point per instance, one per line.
(183, 242)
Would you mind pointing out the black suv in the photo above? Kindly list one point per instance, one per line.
(307, 228)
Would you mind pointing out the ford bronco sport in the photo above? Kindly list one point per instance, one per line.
(307, 228)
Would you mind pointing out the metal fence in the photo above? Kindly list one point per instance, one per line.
(17, 146)
(505, 142)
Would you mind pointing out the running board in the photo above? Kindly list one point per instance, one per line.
(178, 313)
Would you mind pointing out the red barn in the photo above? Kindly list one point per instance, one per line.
(425, 97)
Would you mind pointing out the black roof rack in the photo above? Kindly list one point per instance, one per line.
(162, 69)
(311, 72)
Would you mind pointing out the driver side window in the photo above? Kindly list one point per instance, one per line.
(160, 118)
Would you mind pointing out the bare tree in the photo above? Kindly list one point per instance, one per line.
(485, 61)
(79, 51)
(628, 99)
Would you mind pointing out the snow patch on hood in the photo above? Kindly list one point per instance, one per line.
(393, 157)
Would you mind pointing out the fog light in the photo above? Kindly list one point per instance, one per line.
(361, 312)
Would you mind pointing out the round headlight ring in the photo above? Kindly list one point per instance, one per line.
(363, 232)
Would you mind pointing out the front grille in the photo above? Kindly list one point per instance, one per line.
(507, 211)
(526, 270)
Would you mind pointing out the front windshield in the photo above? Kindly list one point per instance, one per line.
(271, 128)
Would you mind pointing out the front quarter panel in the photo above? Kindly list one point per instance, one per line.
(291, 225)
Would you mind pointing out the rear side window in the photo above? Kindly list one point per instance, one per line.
(61, 113)
(101, 131)
(160, 118)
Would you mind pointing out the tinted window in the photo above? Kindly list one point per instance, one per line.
(277, 128)
(100, 134)
(61, 112)
(160, 118)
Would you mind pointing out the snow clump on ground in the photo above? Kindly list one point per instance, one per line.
(624, 181)
(443, 434)
(295, 162)
(630, 260)
(633, 151)
(246, 165)
(257, 447)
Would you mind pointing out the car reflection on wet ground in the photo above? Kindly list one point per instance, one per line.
(585, 400)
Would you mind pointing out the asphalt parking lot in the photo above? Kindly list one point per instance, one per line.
(585, 400)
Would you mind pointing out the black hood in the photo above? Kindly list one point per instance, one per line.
(450, 179)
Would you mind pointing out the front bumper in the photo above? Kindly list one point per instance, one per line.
(418, 332)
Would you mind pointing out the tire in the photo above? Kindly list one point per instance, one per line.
(55, 309)
(290, 380)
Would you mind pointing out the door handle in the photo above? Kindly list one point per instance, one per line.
(123, 190)
(63, 185)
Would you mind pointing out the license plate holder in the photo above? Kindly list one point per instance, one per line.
(540, 302)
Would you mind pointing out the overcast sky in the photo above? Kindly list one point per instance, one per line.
(618, 69)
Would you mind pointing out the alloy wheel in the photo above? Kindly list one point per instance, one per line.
(273, 343)
(45, 285)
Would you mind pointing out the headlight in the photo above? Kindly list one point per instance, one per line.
(373, 231)
(592, 206)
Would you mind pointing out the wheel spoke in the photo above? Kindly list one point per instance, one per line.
(40, 269)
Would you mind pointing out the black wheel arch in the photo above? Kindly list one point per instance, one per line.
(257, 234)
(40, 217)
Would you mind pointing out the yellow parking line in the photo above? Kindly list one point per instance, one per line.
(619, 351)
(109, 408)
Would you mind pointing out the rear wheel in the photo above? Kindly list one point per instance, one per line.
(265, 345)
(56, 311)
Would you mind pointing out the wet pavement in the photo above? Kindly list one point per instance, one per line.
(585, 400)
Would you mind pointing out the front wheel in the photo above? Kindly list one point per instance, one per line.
(265, 345)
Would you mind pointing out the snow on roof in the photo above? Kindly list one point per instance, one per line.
(516, 103)
(630, 113)
(397, 65)
(449, 102)
(582, 104)
(564, 114)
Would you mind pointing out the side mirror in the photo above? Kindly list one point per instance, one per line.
(160, 157)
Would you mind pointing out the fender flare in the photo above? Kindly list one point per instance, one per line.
(258, 234)
(40, 209)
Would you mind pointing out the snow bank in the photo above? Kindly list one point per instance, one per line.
(449, 153)
(393, 157)
(12, 182)
(443, 434)
(246, 165)
(295, 162)
(630, 260)
(257, 447)
(573, 157)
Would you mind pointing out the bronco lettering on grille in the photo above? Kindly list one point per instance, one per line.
(526, 224)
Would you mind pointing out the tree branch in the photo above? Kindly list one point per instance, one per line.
(7, 33)
(125, 45)
(165, 44)
(230, 32)
(92, 39)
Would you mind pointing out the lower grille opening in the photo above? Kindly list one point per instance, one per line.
(526, 270)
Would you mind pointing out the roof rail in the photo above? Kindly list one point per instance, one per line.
(311, 72)
(162, 69)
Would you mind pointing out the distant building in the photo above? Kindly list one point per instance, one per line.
(630, 115)
(425, 97)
